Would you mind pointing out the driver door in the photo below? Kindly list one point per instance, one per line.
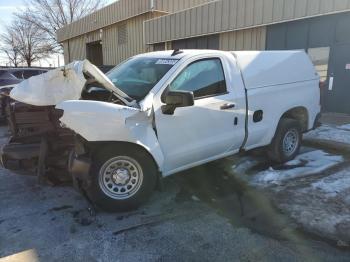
(196, 134)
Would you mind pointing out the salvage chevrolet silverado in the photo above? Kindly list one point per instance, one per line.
(170, 111)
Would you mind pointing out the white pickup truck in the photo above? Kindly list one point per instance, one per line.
(173, 110)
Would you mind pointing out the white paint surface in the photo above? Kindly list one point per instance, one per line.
(271, 68)
(101, 121)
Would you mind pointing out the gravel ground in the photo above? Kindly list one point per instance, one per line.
(204, 214)
(54, 223)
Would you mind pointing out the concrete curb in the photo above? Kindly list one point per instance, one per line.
(327, 144)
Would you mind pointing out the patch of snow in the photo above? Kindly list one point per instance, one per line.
(195, 198)
(315, 162)
(347, 126)
(338, 134)
(334, 184)
(244, 165)
(294, 162)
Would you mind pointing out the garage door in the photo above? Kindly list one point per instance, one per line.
(327, 40)
(94, 53)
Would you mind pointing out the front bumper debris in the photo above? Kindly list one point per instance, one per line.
(19, 156)
(80, 169)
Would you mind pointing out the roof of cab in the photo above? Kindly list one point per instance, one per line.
(183, 53)
(259, 68)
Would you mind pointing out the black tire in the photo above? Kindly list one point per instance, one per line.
(97, 191)
(278, 151)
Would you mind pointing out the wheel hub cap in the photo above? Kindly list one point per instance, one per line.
(290, 142)
(120, 177)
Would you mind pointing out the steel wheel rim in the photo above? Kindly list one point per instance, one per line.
(120, 177)
(290, 142)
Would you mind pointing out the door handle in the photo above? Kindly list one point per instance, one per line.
(227, 106)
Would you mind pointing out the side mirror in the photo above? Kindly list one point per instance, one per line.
(175, 99)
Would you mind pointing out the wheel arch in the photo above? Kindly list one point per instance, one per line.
(105, 145)
(102, 151)
(299, 114)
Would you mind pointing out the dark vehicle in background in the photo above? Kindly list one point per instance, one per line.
(10, 77)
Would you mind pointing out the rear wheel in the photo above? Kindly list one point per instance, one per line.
(122, 179)
(286, 144)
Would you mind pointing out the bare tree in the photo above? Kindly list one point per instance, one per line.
(25, 42)
(50, 15)
(10, 46)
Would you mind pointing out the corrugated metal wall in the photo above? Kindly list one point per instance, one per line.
(202, 42)
(65, 53)
(77, 49)
(249, 39)
(173, 6)
(111, 14)
(112, 52)
(240, 23)
(229, 15)
(119, 11)
(77, 46)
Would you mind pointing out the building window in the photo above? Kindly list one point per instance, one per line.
(122, 34)
(320, 57)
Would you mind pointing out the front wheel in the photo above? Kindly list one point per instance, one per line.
(122, 179)
(286, 144)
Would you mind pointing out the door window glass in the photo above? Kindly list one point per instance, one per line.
(320, 57)
(203, 78)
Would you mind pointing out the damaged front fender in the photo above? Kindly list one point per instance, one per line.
(101, 121)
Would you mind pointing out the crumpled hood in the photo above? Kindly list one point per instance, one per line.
(62, 84)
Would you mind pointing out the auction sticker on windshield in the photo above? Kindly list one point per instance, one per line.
(167, 61)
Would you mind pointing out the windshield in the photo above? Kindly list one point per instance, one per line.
(137, 76)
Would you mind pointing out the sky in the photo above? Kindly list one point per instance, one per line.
(7, 9)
